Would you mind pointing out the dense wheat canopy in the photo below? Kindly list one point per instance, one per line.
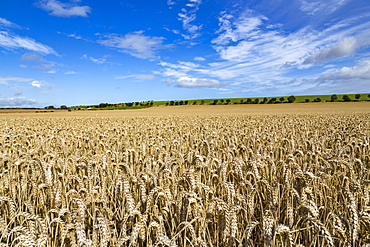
(232, 180)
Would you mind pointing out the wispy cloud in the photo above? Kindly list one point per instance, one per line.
(30, 81)
(33, 57)
(199, 82)
(136, 44)
(17, 102)
(312, 7)
(70, 72)
(102, 60)
(60, 9)
(187, 17)
(244, 27)
(11, 41)
(6, 80)
(141, 77)
(5, 23)
(199, 59)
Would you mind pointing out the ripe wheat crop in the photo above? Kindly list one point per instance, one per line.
(185, 181)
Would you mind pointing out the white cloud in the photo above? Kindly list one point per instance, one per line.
(168, 81)
(343, 48)
(135, 44)
(189, 16)
(169, 72)
(144, 77)
(33, 57)
(36, 84)
(360, 71)
(17, 102)
(10, 41)
(102, 60)
(70, 73)
(198, 82)
(199, 59)
(45, 67)
(6, 80)
(5, 23)
(60, 9)
(259, 55)
(170, 2)
(312, 7)
(243, 28)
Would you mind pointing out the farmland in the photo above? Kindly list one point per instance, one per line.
(229, 175)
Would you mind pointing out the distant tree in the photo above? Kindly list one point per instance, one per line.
(195, 102)
(317, 100)
(241, 101)
(167, 103)
(333, 98)
(291, 99)
(186, 102)
(271, 101)
(137, 103)
(181, 102)
(63, 107)
(307, 100)
(215, 102)
(368, 96)
(249, 101)
(357, 96)
(222, 101)
(265, 100)
(228, 101)
(50, 107)
(282, 99)
(256, 101)
(346, 98)
(176, 103)
(202, 102)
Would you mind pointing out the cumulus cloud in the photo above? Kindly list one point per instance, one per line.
(60, 9)
(199, 82)
(17, 102)
(10, 41)
(36, 84)
(360, 71)
(343, 48)
(135, 44)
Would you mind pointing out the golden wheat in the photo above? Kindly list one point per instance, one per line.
(222, 180)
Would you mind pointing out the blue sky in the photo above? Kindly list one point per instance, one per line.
(73, 52)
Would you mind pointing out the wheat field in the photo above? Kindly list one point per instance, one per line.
(196, 179)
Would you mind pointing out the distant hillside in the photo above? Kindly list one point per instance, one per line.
(225, 101)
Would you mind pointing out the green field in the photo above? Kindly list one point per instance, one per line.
(220, 101)
(301, 98)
